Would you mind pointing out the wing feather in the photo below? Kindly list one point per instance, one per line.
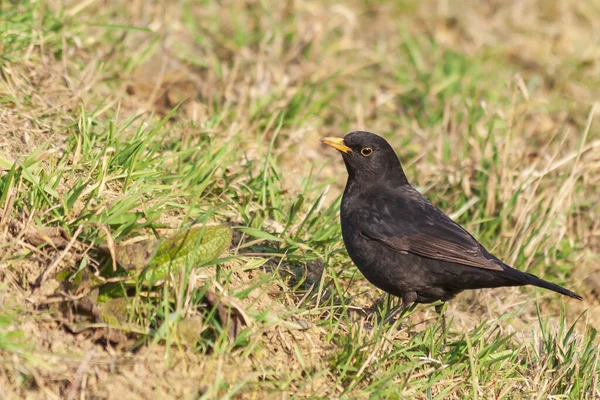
(433, 234)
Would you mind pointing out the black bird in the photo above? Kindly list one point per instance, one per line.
(401, 242)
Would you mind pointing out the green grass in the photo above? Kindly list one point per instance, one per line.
(97, 139)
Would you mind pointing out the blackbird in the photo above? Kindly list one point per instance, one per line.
(401, 242)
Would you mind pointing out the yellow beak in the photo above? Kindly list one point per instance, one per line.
(337, 143)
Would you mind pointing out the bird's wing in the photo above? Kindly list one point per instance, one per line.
(420, 228)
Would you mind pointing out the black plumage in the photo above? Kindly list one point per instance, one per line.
(401, 242)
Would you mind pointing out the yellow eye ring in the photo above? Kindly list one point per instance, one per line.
(366, 151)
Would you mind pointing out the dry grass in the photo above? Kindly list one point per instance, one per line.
(135, 117)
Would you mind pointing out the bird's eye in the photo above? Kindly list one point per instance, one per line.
(366, 151)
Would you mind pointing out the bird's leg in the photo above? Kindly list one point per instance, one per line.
(408, 298)
(440, 309)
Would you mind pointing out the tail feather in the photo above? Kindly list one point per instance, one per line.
(535, 281)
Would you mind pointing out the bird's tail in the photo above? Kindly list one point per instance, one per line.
(529, 279)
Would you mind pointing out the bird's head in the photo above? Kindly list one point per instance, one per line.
(368, 157)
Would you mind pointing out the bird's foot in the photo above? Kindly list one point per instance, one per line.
(393, 314)
(372, 309)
